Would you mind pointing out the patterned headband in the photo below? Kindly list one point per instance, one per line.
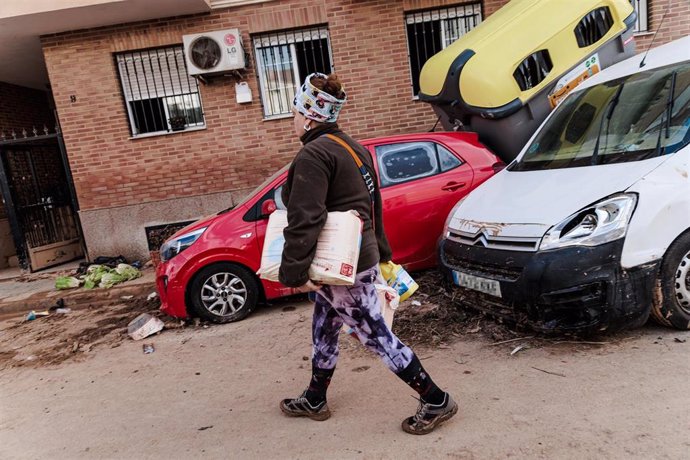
(315, 104)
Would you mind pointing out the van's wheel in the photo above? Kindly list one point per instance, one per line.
(223, 293)
(672, 300)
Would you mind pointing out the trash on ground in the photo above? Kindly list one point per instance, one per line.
(67, 282)
(676, 339)
(548, 372)
(143, 326)
(152, 296)
(416, 303)
(59, 304)
(127, 297)
(99, 275)
(110, 262)
(63, 311)
(148, 348)
(518, 348)
(32, 315)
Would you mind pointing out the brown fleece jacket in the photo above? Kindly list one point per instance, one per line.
(323, 178)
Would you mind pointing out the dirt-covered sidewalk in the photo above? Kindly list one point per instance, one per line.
(213, 392)
(37, 292)
(76, 386)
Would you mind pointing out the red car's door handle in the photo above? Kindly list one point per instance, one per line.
(453, 186)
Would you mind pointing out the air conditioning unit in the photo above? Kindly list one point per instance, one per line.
(212, 53)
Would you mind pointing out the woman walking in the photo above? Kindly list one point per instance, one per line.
(332, 172)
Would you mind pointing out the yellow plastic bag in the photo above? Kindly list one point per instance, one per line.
(398, 278)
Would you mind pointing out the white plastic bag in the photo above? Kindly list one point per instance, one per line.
(337, 249)
(389, 299)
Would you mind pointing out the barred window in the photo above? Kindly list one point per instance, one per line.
(159, 94)
(429, 32)
(283, 61)
(642, 22)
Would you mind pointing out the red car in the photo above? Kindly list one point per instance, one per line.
(208, 268)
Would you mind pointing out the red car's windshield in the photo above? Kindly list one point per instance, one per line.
(263, 185)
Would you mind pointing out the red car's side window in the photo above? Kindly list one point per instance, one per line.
(407, 161)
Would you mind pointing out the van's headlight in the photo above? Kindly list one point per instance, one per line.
(173, 247)
(446, 226)
(598, 224)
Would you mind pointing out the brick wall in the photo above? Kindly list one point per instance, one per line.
(238, 149)
(24, 108)
(675, 25)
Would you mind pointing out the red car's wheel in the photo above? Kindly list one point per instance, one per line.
(223, 293)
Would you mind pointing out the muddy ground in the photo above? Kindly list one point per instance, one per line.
(75, 386)
(431, 318)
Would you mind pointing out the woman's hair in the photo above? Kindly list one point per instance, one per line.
(330, 85)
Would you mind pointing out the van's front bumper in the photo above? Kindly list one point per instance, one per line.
(575, 289)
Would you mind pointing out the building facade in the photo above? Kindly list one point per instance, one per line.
(118, 90)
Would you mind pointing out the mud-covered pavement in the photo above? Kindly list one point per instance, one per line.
(213, 392)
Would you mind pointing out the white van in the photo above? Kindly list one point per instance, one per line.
(589, 228)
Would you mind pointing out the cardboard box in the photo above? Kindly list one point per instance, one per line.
(337, 250)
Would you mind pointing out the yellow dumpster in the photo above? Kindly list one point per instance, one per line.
(502, 78)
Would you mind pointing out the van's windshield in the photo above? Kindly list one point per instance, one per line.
(633, 118)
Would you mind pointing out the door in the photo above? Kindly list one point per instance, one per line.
(420, 183)
(36, 187)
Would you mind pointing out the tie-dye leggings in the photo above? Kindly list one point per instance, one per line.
(357, 306)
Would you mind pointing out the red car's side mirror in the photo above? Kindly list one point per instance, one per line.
(268, 207)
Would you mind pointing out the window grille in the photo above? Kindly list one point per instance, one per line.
(429, 32)
(593, 27)
(159, 94)
(642, 22)
(283, 61)
(533, 69)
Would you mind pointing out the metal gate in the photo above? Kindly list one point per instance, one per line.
(34, 182)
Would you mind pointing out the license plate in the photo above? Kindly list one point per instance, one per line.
(477, 283)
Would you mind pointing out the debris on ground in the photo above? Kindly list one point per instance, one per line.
(67, 282)
(32, 315)
(51, 340)
(110, 262)
(440, 318)
(98, 275)
(518, 349)
(143, 326)
(148, 348)
(549, 372)
(152, 296)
